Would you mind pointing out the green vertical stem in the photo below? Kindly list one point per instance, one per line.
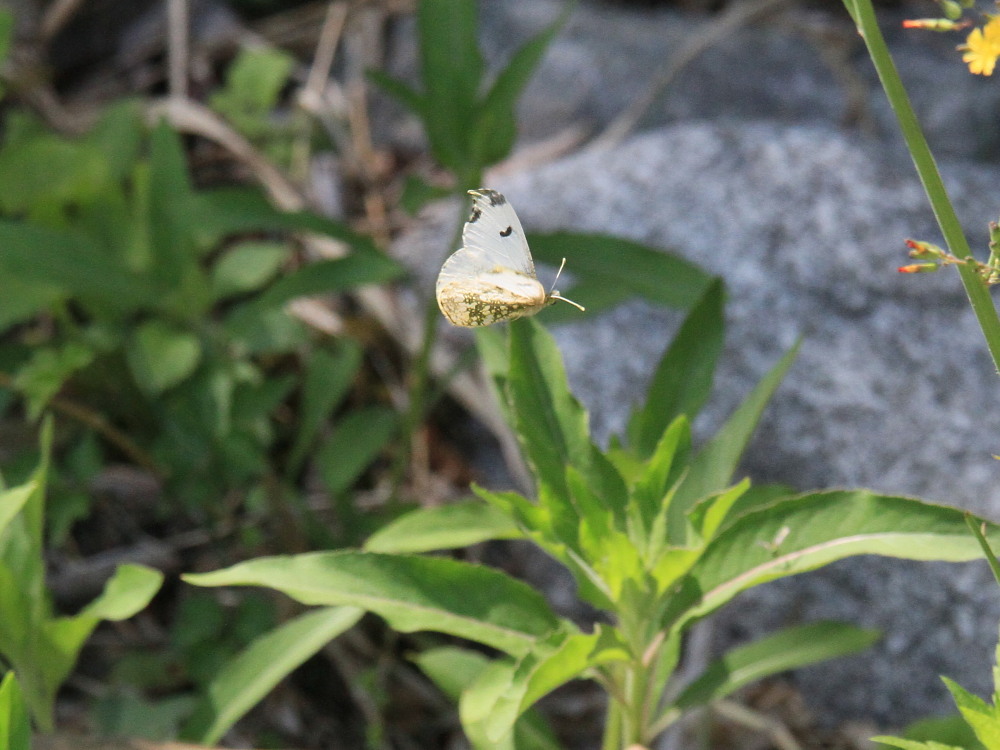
(977, 291)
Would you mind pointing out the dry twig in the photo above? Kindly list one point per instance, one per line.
(736, 15)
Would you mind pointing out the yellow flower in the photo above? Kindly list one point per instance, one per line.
(982, 47)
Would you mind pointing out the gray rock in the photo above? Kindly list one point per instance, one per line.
(790, 65)
(893, 389)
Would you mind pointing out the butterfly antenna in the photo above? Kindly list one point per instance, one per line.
(555, 295)
(577, 305)
(558, 273)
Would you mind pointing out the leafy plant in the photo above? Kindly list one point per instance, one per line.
(164, 306)
(39, 646)
(653, 533)
(249, 99)
(468, 125)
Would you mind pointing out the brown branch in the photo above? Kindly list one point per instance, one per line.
(97, 422)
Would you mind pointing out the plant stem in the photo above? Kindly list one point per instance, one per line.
(863, 15)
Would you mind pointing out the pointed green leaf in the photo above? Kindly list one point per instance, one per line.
(331, 277)
(15, 729)
(495, 126)
(713, 466)
(410, 592)
(328, 376)
(978, 714)
(806, 532)
(949, 730)
(790, 648)
(550, 422)
(357, 440)
(453, 669)
(547, 667)
(659, 474)
(913, 744)
(12, 500)
(399, 91)
(616, 263)
(683, 378)
(449, 526)
(451, 70)
(245, 680)
(6, 32)
(129, 590)
(169, 222)
(708, 515)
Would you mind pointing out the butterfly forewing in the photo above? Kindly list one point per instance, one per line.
(494, 228)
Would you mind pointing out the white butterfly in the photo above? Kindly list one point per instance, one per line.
(492, 276)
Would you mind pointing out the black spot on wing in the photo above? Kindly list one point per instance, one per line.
(506, 232)
(495, 198)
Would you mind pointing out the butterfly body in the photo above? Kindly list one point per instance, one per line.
(491, 278)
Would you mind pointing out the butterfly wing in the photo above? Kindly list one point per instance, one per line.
(494, 228)
(491, 277)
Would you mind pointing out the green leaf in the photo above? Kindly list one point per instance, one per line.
(411, 593)
(161, 356)
(15, 729)
(331, 277)
(73, 263)
(13, 500)
(451, 70)
(622, 265)
(806, 532)
(251, 329)
(47, 371)
(712, 469)
(683, 378)
(23, 299)
(246, 679)
(129, 590)
(707, 516)
(950, 730)
(220, 212)
(550, 422)
(399, 91)
(988, 553)
(449, 526)
(978, 714)
(253, 84)
(790, 648)
(453, 669)
(328, 377)
(549, 666)
(496, 116)
(651, 491)
(6, 32)
(246, 267)
(913, 744)
(46, 175)
(118, 135)
(169, 221)
(357, 440)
